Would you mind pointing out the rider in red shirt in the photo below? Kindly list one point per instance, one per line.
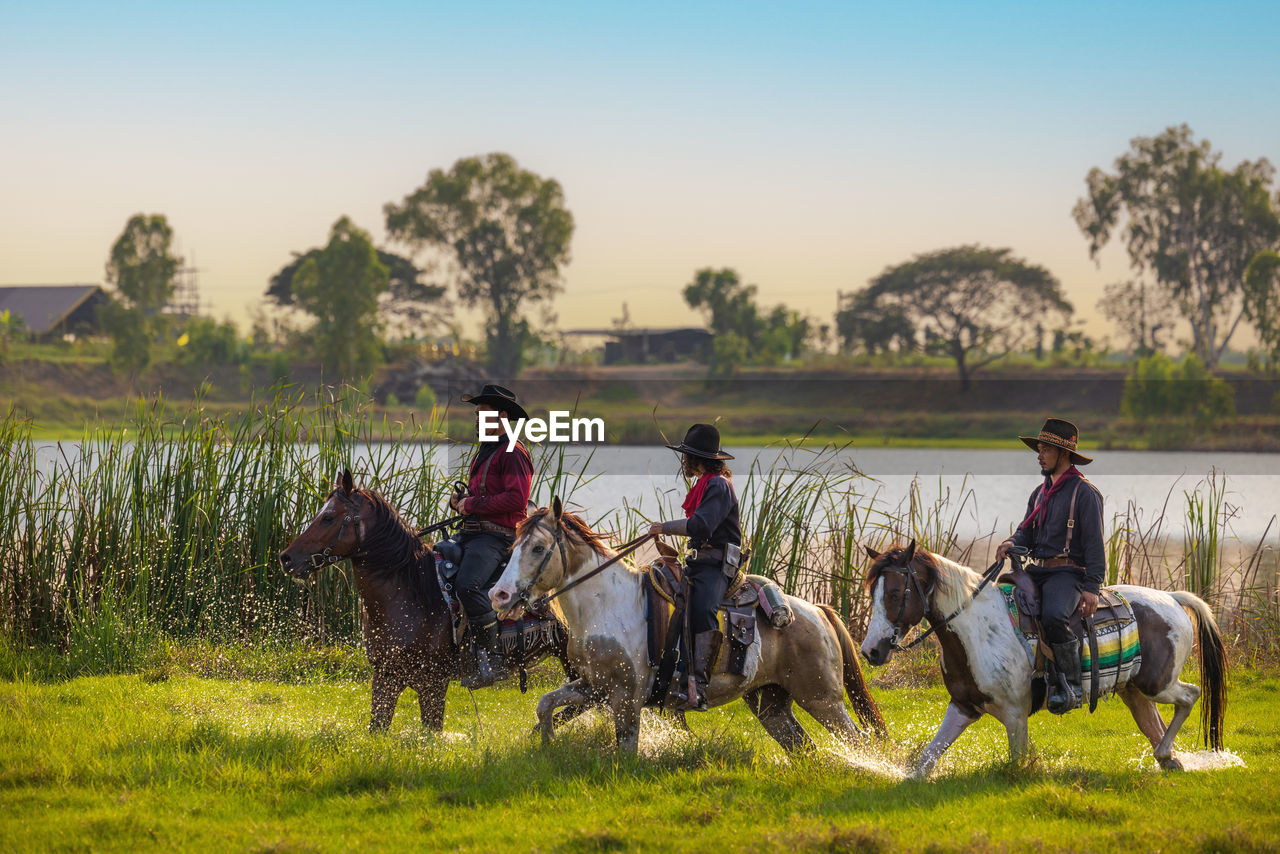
(495, 502)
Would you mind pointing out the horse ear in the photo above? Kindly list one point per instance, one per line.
(348, 483)
(872, 553)
(556, 508)
(910, 554)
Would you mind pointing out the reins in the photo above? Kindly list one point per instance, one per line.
(987, 577)
(327, 557)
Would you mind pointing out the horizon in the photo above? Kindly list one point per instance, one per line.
(808, 148)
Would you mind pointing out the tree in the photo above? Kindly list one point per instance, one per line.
(1141, 310)
(973, 303)
(407, 304)
(1262, 301)
(142, 269)
(876, 328)
(11, 329)
(731, 308)
(340, 286)
(507, 232)
(1190, 224)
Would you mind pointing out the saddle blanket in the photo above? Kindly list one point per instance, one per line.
(1116, 629)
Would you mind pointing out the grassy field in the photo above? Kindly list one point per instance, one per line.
(176, 762)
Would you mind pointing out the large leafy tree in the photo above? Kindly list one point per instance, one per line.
(1141, 310)
(408, 303)
(860, 322)
(973, 303)
(340, 287)
(506, 231)
(1187, 222)
(142, 267)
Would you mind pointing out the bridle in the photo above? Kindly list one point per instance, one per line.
(522, 593)
(325, 558)
(926, 597)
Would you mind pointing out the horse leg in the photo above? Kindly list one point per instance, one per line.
(576, 692)
(1015, 726)
(772, 706)
(626, 719)
(431, 693)
(1183, 696)
(1145, 714)
(386, 691)
(954, 722)
(832, 714)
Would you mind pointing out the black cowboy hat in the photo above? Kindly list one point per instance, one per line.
(500, 398)
(1060, 434)
(702, 440)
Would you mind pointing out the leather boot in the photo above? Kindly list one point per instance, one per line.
(706, 645)
(1065, 693)
(490, 667)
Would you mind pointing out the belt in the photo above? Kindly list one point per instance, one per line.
(707, 553)
(487, 527)
(1055, 562)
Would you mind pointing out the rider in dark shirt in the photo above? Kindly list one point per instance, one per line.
(1063, 530)
(711, 523)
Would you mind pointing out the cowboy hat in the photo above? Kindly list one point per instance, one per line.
(500, 398)
(702, 440)
(1060, 434)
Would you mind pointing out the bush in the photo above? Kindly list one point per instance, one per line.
(425, 398)
(1160, 387)
(211, 343)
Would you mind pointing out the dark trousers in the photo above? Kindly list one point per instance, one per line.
(707, 586)
(1059, 599)
(482, 556)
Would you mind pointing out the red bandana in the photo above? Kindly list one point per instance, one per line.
(694, 498)
(1036, 516)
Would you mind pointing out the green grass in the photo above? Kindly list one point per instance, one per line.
(123, 762)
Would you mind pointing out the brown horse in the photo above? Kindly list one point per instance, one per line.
(813, 662)
(408, 625)
(986, 669)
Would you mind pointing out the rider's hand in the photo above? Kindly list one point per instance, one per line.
(1003, 549)
(455, 502)
(655, 529)
(1088, 603)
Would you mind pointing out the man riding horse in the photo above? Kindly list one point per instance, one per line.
(495, 502)
(1063, 530)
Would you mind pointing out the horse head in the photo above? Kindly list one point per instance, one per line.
(900, 583)
(333, 535)
(551, 545)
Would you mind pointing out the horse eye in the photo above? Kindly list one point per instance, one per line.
(327, 518)
(538, 550)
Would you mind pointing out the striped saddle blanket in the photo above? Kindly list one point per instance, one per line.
(1111, 636)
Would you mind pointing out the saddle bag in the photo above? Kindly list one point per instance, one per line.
(741, 623)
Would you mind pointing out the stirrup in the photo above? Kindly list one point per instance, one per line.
(485, 674)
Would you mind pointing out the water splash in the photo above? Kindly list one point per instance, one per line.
(1209, 760)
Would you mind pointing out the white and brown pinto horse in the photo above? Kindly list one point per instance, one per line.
(813, 662)
(986, 669)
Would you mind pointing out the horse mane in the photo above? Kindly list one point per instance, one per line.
(391, 547)
(572, 523)
(953, 582)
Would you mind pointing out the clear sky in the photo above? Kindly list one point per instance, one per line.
(807, 145)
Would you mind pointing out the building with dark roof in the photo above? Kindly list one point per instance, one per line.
(52, 311)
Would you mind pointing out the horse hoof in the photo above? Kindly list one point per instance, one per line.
(1170, 763)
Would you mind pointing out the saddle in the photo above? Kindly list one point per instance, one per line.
(1110, 635)
(665, 602)
(524, 642)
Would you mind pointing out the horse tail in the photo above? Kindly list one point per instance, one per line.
(854, 684)
(1213, 668)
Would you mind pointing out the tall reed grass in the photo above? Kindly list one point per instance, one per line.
(167, 527)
